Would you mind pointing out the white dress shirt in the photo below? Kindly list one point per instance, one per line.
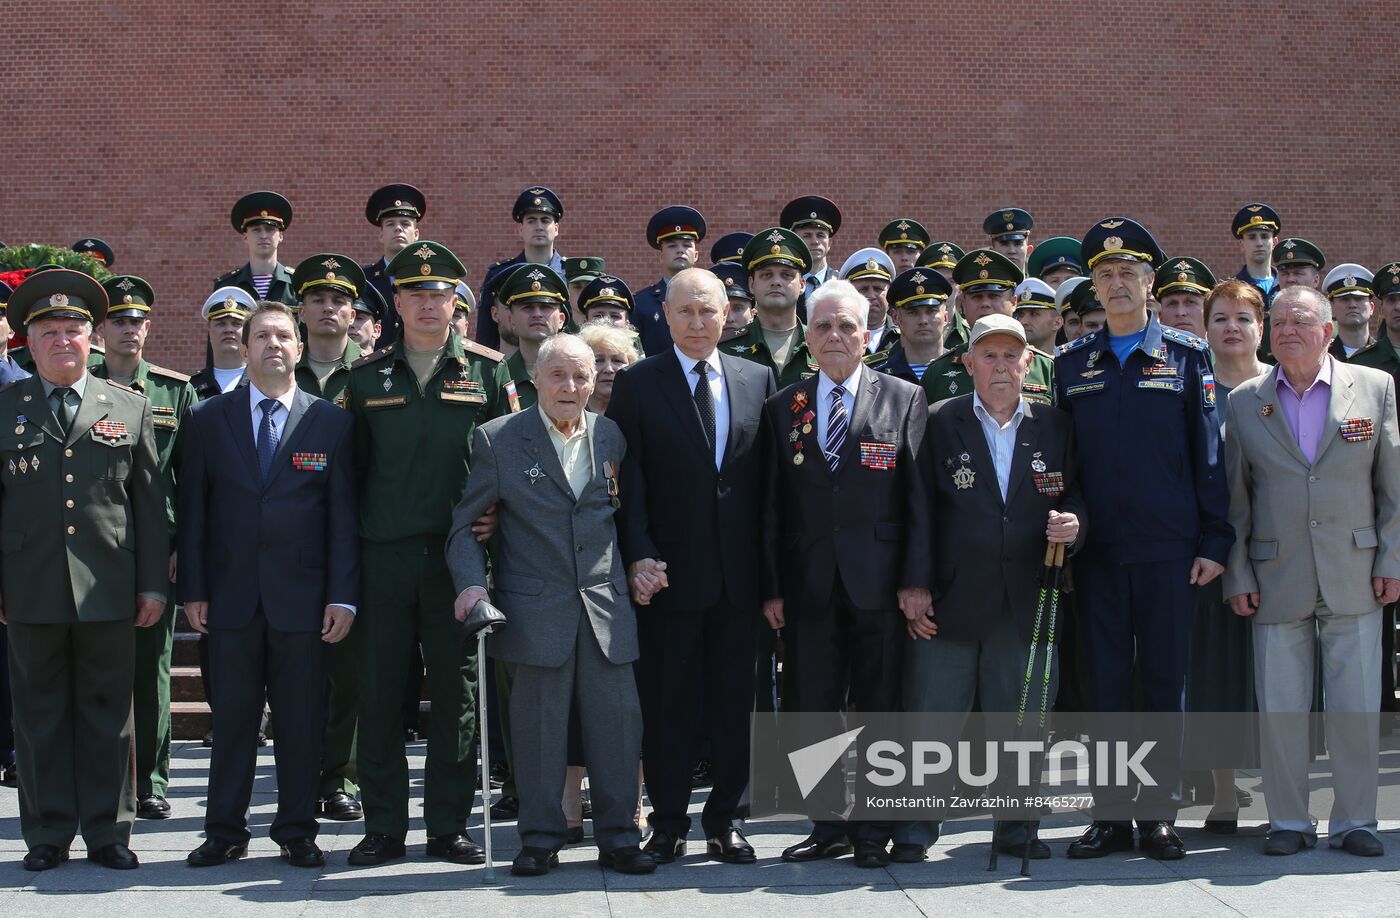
(228, 380)
(848, 398)
(718, 395)
(1001, 440)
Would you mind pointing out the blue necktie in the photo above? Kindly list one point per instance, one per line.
(267, 436)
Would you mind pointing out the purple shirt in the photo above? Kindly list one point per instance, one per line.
(1307, 413)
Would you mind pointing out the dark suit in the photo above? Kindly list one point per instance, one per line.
(10, 371)
(838, 546)
(650, 320)
(267, 557)
(697, 635)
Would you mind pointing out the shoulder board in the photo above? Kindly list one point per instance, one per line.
(1074, 345)
(373, 356)
(228, 275)
(12, 383)
(1039, 353)
(1181, 337)
(117, 385)
(471, 347)
(154, 370)
(1367, 349)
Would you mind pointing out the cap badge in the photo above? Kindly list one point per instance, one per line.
(982, 275)
(425, 270)
(330, 275)
(945, 248)
(535, 191)
(1350, 280)
(902, 225)
(918, 278)
(607, 291)
(775, 250)
(535, 275)
(1010, 226)
(1254, 208)
(534, 286)
(539, 200)
(58, 300)
(871, 265)
(774, 236)
(1008, 216)
(330, 263)
(231, 301)
(678, 229)
(1289, 244)
(125, 284)
(983, 259)
(398, 203)
(127, 298)
(1183, 266)
(1256, 219)
(1112, 243)
(1182, 276)
(1111, 224)
(424, 252)
(583, 265)
(813, 215)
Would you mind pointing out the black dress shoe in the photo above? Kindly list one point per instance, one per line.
(534, 862)
(1216, 825)
(731, 847)
(870, 855)
(115, 857)
(1284, 842)
(9, 775)
(1160, 841)
(1039, 850)
(500, 771)
(1362, 844)
(341, 807)
(700, 777)
(375, 849)
(44, 857)
(214, 852)
(813, 848)
(457, 848)
(506, 808)
(153, 807)
(303, 852)
(908, 853)
(628, 859)
(1101, 838)
(665, 847)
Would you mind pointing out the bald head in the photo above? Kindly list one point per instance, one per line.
(696, 305)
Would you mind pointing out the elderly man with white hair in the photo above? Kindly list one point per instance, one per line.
(1315, 503)
(572, 637)
(847, 541)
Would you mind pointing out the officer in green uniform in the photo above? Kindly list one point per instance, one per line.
(20, 355)
(942, 256)
(986, 282)
(86, 543)
(580, 272)
(1180, 289)
(904, 241)
(416, 404)
(368, 323)
(870, 271)
(170, 395)
(328, 285)
(1298, 261)
(537, 298)
(777, 261)
(1056, 260)
(261, 217)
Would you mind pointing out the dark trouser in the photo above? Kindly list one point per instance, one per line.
(7, 731)
(695, 677)
(72, 697)
(338, 772)
(502, 682)
(151, 704)
(610, 727)
(408, 597)
(845, 657)
(1138, 614)
(288, 669)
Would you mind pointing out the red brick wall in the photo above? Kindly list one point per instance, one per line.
(141, 122)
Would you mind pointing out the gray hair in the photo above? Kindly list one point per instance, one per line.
(840, 290)
(602, 333)
(1301, 295)
(567, 345)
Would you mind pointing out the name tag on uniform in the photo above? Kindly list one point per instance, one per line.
(1085, 388)
(877, 455)
(166, 423)
(1162, 385)
(1357, 430)
(469, 398)
(309, 462)
(387, 401)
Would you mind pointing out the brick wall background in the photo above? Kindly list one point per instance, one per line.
(142, 121)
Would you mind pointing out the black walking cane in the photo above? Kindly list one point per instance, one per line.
(484, 619)
(1049, 596)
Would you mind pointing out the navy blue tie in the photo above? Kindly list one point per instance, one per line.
(267, 436)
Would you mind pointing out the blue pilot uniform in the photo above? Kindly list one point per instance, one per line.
(1144, 411)
(677, 221)
(537, 199)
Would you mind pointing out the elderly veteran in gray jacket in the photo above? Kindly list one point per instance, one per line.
(571, 635)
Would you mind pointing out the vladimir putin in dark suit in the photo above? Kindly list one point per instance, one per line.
(693, 476)
(847, 536)
(269, 566)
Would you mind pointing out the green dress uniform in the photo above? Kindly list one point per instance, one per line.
(412, 456)
(339, 772)
(515, 383)
(85, 530)
(752, 346)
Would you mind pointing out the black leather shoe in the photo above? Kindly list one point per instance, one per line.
(341, 807)
(731, 847)
(1039, 850)
(1362, 844)
(1160, 841)
(665, 847)
(44, 857)
(575, 836)
(115, 857)
(499, 773)
(700, 777)
(214, 852)
(813, 848)
(1216, 825)
(153, 807)
(303, 852)
(1101, 838)
(1284, 842)
(534, 862)
(375, 849)
(506, 808)
(457, 848)
(9, 775)
(870, 855)
(629, 859)
(908, 854)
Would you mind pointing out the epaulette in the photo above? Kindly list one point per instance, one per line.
(1366, 350)
(220, 280)
(1181, 337)
(1070, 346)
(116, 385)
(1036, 350)
(471, 347)
(371, 357)
(154, 370)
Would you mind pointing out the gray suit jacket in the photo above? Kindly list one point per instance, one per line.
(559, 557)
(1301, 528)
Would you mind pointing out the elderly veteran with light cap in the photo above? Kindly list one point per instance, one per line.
(903, 240)
(987, 283)
(1005, 481)
(1348, 288)
(559, 578)
(870, 270)
(1180, 289)
(1035, 310)
(918, 300)
(225, 311)
(86, 547)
